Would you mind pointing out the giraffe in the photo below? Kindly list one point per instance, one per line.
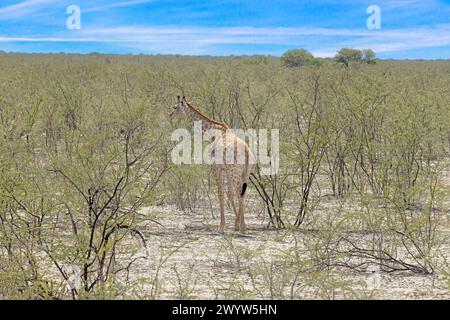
(235, 174)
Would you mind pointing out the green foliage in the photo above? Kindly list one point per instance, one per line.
(347, 55)
(298, 58)
(85, 148)
(76, 180)
(257, 59)
(369, 56)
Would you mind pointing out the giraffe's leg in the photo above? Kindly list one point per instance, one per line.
(240, 192)
(241, 214)
(231, 198)
(217, 172)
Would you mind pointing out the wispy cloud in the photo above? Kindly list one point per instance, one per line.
(27, 7)
(117, 5)
(408, 4)
(22, 8)
(193, 37)
(242, 27)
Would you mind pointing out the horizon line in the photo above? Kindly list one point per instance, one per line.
(197, 55)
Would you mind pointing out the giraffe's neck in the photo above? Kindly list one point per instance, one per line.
(206, 123)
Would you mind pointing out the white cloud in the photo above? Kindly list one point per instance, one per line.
(117, 5)
(379, 40)
(27, 7)
(408, 4)
(22, 8)
(324, 53)
(194, 40)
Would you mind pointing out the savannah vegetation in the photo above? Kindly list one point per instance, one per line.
(88, 189)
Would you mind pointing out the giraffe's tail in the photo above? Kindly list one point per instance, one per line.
(246, 171)
(244, 188)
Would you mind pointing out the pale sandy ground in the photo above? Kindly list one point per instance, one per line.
(187, 258)
(207, 265)
(207, 270)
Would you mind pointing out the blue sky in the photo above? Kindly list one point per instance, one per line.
(409, 28)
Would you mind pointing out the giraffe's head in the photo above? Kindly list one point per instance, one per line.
(180, 107)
